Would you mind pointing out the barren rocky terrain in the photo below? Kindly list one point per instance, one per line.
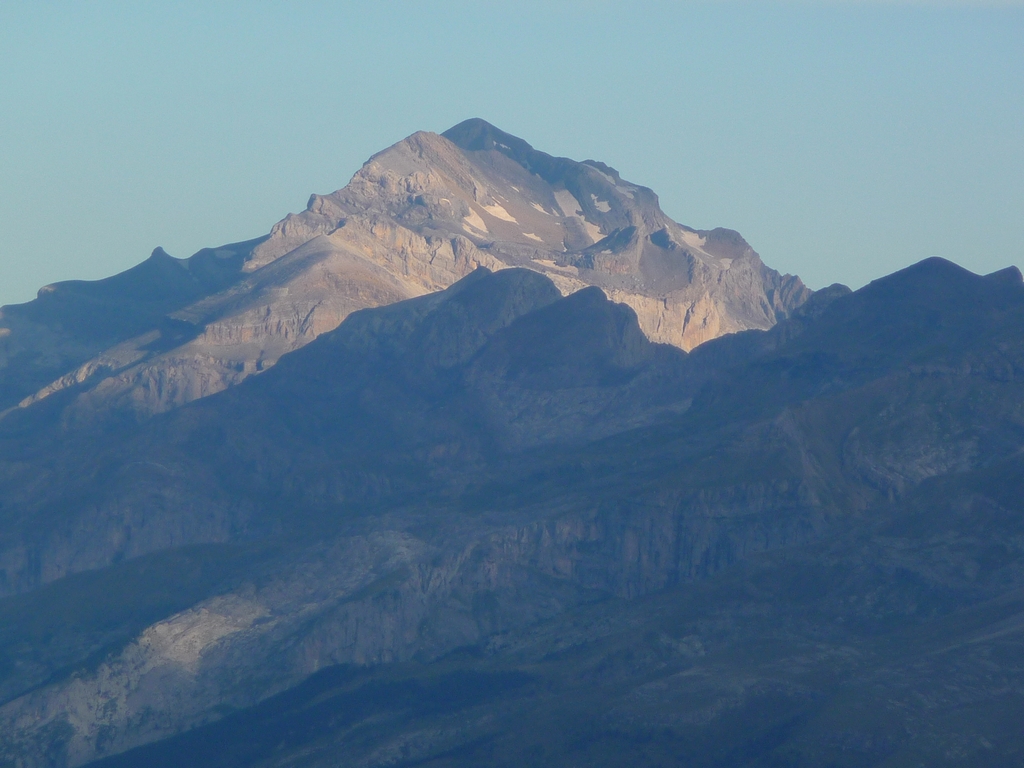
(481, 510)
(417, 217)
(476, 503)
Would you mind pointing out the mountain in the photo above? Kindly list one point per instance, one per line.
(499, 525)
(60, 339)
(415, 219)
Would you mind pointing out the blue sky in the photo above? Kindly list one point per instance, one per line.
(843, 140)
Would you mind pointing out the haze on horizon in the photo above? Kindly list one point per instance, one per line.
(843, 140)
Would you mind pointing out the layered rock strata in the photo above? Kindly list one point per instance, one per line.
(416, 218)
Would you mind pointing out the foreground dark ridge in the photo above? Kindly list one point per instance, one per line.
(496, 525)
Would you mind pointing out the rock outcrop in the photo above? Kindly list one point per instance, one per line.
(415, 219)
(474, 468)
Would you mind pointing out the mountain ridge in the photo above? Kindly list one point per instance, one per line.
(474, 509)
(416, 218)
(484, 467)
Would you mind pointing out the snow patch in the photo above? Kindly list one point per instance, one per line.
(571, 209)
(533, 237)
(540, 208)
(570, 205)
(693, 239)
(500, 213)
(593, 230)
(473, 220)
(601, 205)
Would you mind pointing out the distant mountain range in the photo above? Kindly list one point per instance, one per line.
(505, 523)
(416, 218)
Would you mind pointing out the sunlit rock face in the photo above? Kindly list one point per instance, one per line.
(519, 308)
(415, 219)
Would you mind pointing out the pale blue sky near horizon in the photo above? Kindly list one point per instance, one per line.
(843, 140)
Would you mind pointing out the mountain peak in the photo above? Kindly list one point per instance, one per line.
(477, 134)
(928, 279)
(1011, 275)
(416, 218)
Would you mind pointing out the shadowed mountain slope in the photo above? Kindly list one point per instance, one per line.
(898, 646)
(498, 525)
(71, 323)
(394, 399)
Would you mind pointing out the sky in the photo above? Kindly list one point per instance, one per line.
(843, 140)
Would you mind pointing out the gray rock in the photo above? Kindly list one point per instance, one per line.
(415, 219)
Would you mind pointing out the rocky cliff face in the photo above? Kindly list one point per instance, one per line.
(485, 467)
(370, 412)
(415, 219)
(482, 506)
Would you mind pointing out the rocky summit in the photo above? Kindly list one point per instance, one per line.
(415, 219)
(481, 513)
